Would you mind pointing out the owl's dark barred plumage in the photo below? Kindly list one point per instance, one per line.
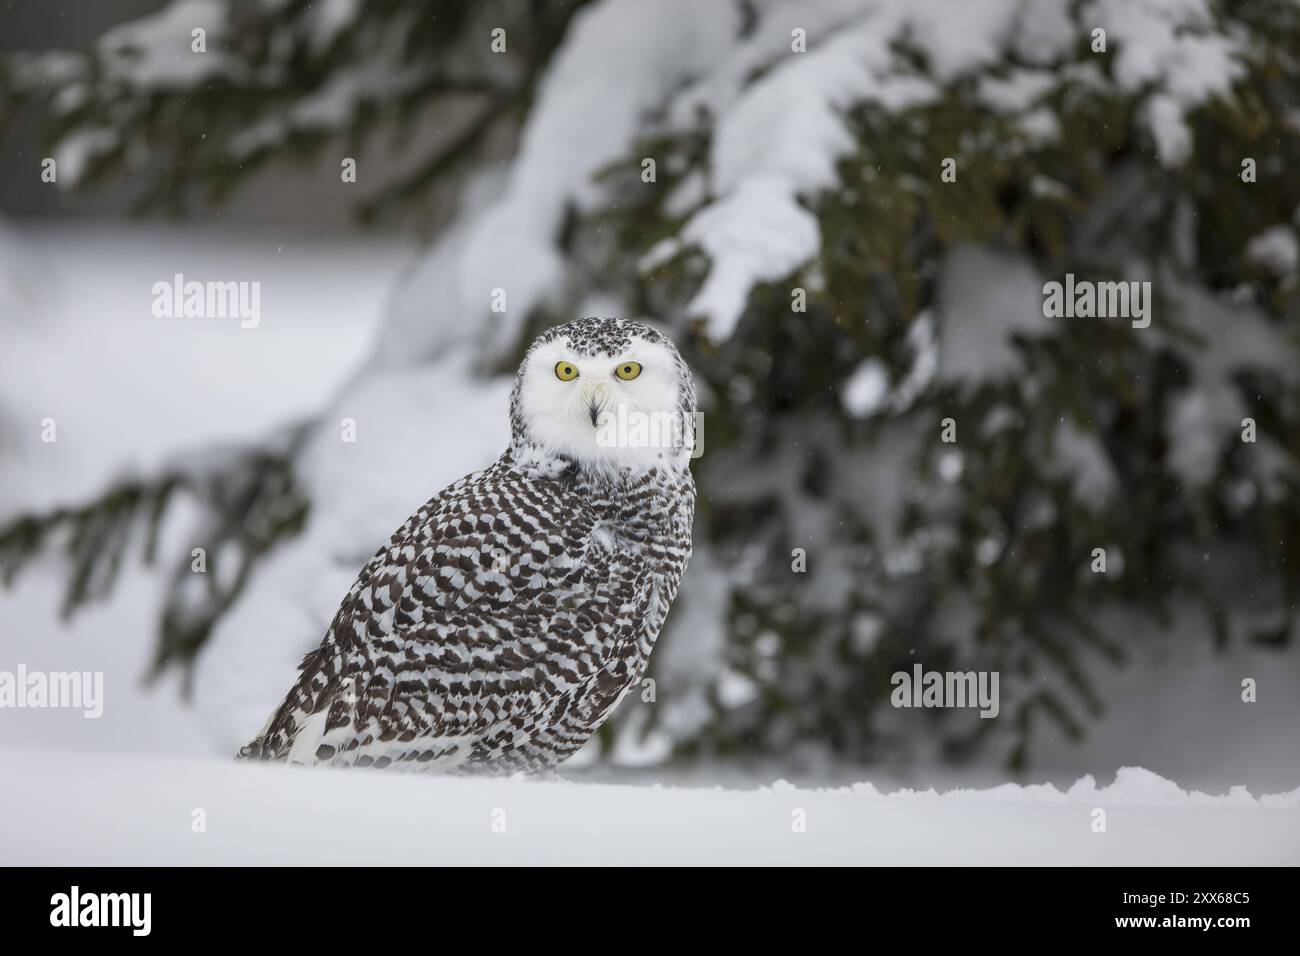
(502, 622)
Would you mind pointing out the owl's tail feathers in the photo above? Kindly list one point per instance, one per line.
(251, 751)
(276, 738)
(260, 748)
(280, 737)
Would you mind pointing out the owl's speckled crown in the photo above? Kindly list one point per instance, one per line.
(596, 336)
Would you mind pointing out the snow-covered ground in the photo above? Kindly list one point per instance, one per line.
(113, 810)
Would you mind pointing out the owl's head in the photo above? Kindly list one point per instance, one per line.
(606, 394)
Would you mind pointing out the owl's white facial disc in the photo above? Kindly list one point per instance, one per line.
(602, 419)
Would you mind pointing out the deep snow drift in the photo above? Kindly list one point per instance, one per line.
(58, 809)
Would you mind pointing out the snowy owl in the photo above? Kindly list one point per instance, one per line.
(498, 627)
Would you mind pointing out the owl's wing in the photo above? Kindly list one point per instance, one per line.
(487, 607)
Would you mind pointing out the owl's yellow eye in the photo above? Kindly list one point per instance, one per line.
(566, 371)
(628, 371)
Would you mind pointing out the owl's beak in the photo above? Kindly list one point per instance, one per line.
(596, 397)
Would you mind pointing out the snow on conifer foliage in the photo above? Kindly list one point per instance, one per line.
(853, 211)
